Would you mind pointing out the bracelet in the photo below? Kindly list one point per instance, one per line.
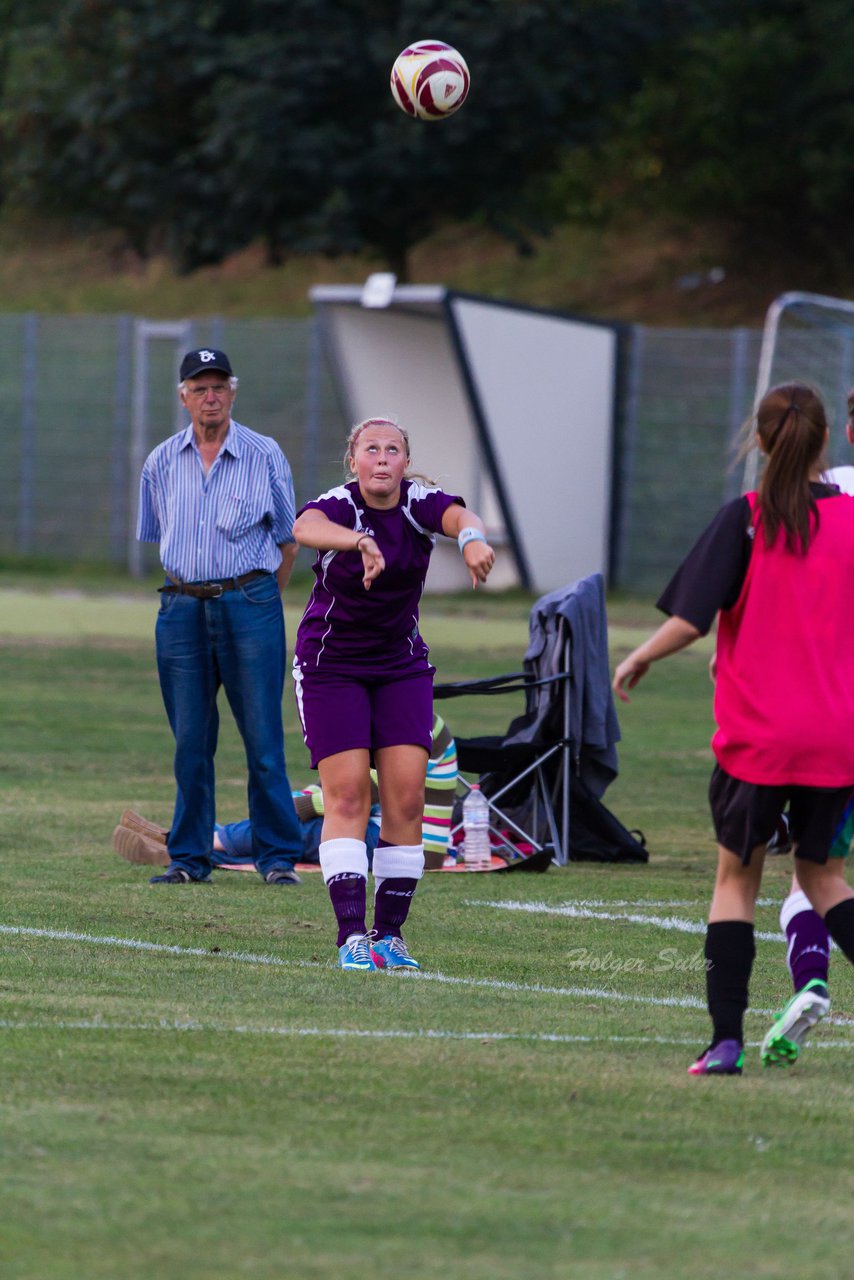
(465, 536)
(359, 541)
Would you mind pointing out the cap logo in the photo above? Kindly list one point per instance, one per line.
(195, 362)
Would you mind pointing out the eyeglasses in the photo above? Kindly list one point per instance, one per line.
(219, 389)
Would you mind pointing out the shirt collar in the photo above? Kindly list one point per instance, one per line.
(231, 443)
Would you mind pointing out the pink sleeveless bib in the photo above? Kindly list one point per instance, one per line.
(784, 692)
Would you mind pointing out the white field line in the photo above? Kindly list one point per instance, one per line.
(342, 1033)
(356, 1033)
(640, 902)
(703, 903)
(590, 911)
(164, 948)
(244, 957)
(489, 984)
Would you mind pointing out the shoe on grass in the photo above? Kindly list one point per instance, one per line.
(282, 875)
(133, 846)
(177, 875)
(135, 822)
(356, 953)
(781, 840)
(808, 1006)
(392, 953)
(722, 1059)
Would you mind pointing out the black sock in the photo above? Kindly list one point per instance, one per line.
(729, 958)
(840, 925)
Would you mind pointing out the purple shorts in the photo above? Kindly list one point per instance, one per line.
(346, 712)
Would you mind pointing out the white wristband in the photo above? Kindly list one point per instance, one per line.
(465, 536)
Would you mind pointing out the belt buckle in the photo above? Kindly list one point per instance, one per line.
(215, 588)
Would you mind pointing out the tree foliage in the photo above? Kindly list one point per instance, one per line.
(203, 125)
(754, 123)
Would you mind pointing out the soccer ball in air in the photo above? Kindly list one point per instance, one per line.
(430, 80)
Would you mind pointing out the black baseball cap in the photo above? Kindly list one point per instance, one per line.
(203, 359)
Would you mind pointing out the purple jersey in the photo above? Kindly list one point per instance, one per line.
(344, 625)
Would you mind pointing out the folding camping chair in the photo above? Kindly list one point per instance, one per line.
(496, 757)
(533, 761)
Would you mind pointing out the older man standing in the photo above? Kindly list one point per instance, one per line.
(219, 499)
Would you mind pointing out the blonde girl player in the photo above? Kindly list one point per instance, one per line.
(364, 682)
(776, 567)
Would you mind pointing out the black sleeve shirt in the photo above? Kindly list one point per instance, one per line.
(712, 574)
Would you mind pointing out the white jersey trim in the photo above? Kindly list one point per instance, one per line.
(416, 492)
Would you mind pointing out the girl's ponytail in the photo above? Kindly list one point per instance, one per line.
(791, 424)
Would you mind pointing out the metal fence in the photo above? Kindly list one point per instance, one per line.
(74, 394)
(687, 393)
(85, 398)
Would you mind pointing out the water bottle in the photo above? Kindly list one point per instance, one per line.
(477, 854)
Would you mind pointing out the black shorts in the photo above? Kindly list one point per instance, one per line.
(745, 814)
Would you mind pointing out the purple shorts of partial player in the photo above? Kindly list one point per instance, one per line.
(745, 815)
(345, 712)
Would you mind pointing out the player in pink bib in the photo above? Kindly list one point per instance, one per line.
(777, 569)
(364, 682)
(807, 939)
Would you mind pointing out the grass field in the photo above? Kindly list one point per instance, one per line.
(192, 1089)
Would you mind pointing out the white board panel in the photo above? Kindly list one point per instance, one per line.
(545, 387)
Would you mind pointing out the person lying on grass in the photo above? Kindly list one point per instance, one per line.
(138, 840)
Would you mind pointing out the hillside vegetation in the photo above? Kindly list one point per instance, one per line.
(639, 270)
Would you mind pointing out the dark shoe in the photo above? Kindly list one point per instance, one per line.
(136, 822)
(722, 1059)
(781, 840)
(282, 875)
(133, 846)
(177, 875)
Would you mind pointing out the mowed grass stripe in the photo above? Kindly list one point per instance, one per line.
(242, 957)
(495, 984)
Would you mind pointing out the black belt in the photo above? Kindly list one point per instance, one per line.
(210, 590)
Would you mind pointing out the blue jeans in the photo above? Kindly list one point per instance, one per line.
(236, 839)
(237, 641)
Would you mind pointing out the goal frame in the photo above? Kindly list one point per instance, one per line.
(180, 334)
(770, 335)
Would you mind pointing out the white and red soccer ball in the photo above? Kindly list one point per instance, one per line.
(430, 80)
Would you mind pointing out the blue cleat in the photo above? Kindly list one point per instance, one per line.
(356, 953)
(392, 953)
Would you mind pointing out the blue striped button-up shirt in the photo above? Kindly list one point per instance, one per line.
(222, 524)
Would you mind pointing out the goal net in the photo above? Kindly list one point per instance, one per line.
(809, 338)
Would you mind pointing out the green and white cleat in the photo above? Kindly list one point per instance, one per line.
(782, 1044)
